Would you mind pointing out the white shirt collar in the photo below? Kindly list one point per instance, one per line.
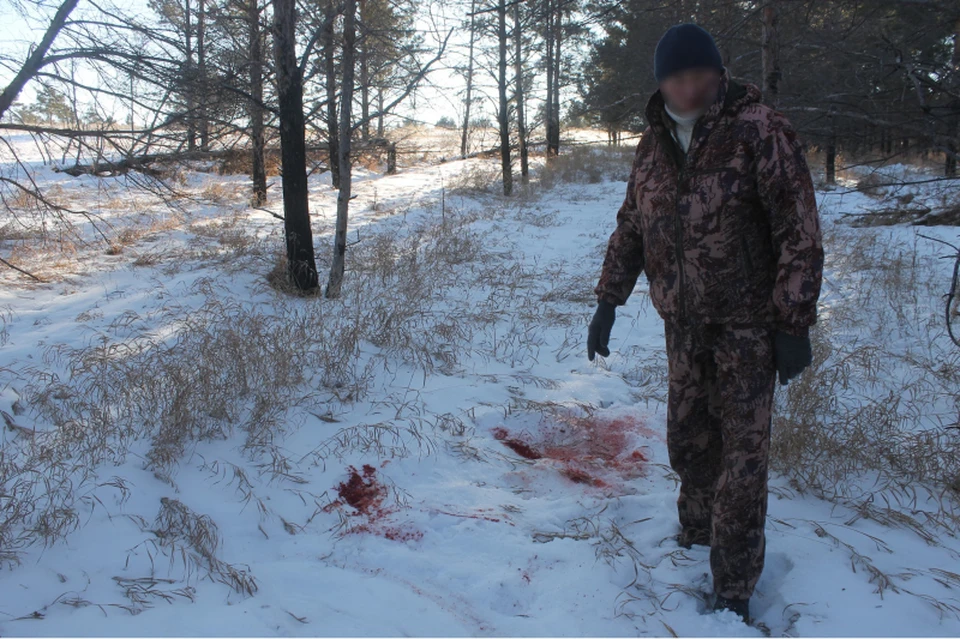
(684, 120)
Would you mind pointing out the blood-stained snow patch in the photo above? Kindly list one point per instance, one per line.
(364, 492)
(518, 446)
(592, 450)
(366, 495)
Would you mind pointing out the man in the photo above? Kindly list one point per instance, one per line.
(720, 214)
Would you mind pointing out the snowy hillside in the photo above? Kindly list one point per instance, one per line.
(432, 454)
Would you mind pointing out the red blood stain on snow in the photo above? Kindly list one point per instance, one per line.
(519, 447)
(584, 446)
(581, 477)
(396, 533)
(364, 492)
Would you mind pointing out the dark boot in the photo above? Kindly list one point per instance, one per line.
(739, 606)
(689, 536)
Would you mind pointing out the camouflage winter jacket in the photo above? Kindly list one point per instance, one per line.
(729, 233)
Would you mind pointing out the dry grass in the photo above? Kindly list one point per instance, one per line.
(873, 422)
(877, 401)
(193, 540)
(240, 162)
(55, 248)
(254, 370)
(227, 241)
(477, 178)
(587, 164)
(220, 193)
(576, 164)
(226, 368)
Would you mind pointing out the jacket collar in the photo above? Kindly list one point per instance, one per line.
(732, 96)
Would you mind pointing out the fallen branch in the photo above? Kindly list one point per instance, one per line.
(20, 270)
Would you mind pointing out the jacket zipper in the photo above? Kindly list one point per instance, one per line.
(746, 261)
(681, 303)
(715, 169)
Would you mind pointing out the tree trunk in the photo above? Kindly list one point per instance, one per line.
(953, 121)
(364, 76)
(770, 55)
(521, 124)
(553, 132)
(343, 197)
(502, 86)
(329, 50)
(188, 80)
(259, 172)
(548, 104)
(301, 264)
(379, 112)
(466, 115)
(35, 60)
(831, 160)
(950, 163)
(202, 86)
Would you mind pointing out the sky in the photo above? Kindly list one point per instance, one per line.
(439, 95)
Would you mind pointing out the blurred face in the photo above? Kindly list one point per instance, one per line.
(690, 90)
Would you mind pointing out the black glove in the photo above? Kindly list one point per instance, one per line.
(599, 334)
(792, 354)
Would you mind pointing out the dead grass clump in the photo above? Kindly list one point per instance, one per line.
(278, 278)
(476, 178)
(226, 367)
(15, 231)
(194, 540)
(219, 192)
(587, 164)
(226, 240)
(240, 162)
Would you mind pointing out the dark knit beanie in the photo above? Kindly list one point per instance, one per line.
(685, 46)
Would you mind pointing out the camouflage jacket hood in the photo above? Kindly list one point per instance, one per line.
(729, 232)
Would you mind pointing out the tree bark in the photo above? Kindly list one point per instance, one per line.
(329, 51)
(380, 112)
(343, 150)
(521, 124)
(362, 52)
(548, 104)
(505, 162)
(469, 99)
(258, 173)
(831, 160)
(202, 86)
(188, 79)
(953, 121)
(553, 128)
(770, 55)
(301, 264)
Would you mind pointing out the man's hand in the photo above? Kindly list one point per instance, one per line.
(792, 354)
(599, 334)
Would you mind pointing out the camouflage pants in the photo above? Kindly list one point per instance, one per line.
(719, 413)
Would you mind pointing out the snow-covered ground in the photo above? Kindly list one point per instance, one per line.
(470, 474)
